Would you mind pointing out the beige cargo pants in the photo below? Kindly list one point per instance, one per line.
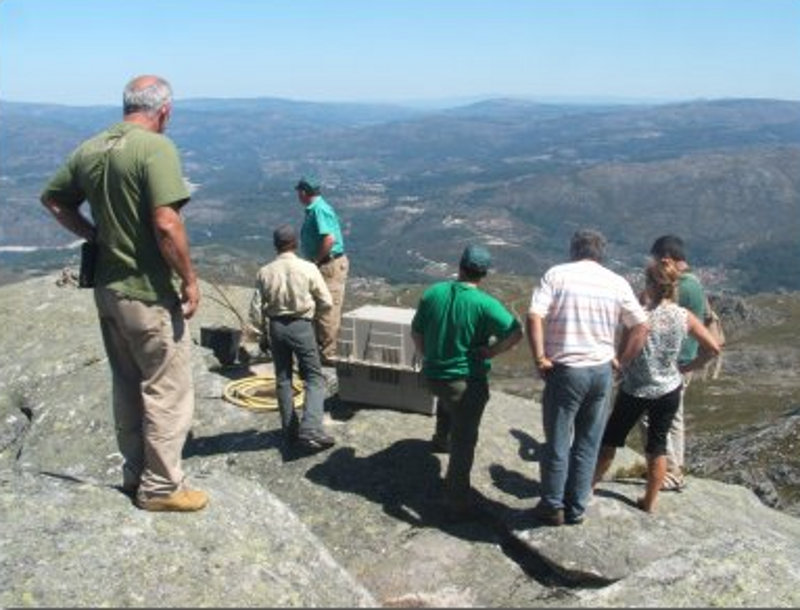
(148, 348)
(326, 323)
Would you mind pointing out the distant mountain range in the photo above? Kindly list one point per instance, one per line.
(413, 186)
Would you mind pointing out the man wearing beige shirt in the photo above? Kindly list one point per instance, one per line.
(288, 292)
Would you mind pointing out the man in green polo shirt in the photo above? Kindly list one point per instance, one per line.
(321, 243)
(130, 174)
(458, 328)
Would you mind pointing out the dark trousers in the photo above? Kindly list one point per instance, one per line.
(290, 338)
(459, 411)
(629, 409)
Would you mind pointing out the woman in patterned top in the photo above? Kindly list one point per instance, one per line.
(651, 382)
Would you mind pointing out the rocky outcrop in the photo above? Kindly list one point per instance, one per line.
(740, 316)
(358, 525)
(70, 542)
(747, 423)
(761, 457)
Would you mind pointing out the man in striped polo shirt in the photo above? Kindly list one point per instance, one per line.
(572, 325)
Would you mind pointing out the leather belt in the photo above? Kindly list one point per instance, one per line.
(330, 257)
(285, 319)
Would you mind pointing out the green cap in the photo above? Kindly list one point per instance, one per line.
(476, 258)
(308, 184)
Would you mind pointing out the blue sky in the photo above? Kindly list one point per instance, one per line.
(82, 52)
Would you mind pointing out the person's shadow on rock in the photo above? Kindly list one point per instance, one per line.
(228, 442)
(515, 483)
(530, 450)
(405, 479)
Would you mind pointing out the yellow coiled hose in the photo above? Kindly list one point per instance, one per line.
(258, 393)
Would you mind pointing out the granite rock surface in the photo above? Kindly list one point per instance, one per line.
(357, 525)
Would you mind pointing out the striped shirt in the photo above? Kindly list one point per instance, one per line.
(583, 304)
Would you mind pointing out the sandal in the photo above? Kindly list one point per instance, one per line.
(673, 482)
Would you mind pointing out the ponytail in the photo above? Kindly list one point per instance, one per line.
(661, 279)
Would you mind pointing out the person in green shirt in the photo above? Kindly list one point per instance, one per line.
(131, 176)
(692, 297)
(458, 328)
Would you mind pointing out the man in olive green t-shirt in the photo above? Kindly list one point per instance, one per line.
(131, 176)
(458, 328)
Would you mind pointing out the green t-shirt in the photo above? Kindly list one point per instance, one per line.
(125, 172)
(455, 319)
(320, 220)
(692, 297)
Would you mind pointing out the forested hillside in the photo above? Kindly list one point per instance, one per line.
(413, 187)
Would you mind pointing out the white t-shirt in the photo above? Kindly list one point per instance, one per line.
(583, 304)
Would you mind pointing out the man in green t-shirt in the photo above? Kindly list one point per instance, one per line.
(457, 329)
(692, 297)
(131, 176)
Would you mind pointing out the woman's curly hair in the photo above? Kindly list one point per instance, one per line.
(661, 280)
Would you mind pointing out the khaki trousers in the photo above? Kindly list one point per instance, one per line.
(148, 348)
(326, 323)
(675, 439)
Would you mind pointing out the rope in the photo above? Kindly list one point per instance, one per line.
(226, 302)
(258, 393)
(244, 326)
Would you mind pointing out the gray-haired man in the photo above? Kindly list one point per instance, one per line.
(131, 176)
(584, 304)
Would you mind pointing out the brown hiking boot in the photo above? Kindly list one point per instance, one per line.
(184, 500)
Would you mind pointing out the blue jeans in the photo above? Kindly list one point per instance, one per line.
(289, 338)
(574, 410)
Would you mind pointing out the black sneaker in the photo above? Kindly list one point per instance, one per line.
(316, 441)
(571, 519)
(547, 515)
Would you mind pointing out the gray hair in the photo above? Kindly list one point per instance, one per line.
(149, 99)
(587, 243)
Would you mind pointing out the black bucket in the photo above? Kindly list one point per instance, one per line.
(223, 340)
